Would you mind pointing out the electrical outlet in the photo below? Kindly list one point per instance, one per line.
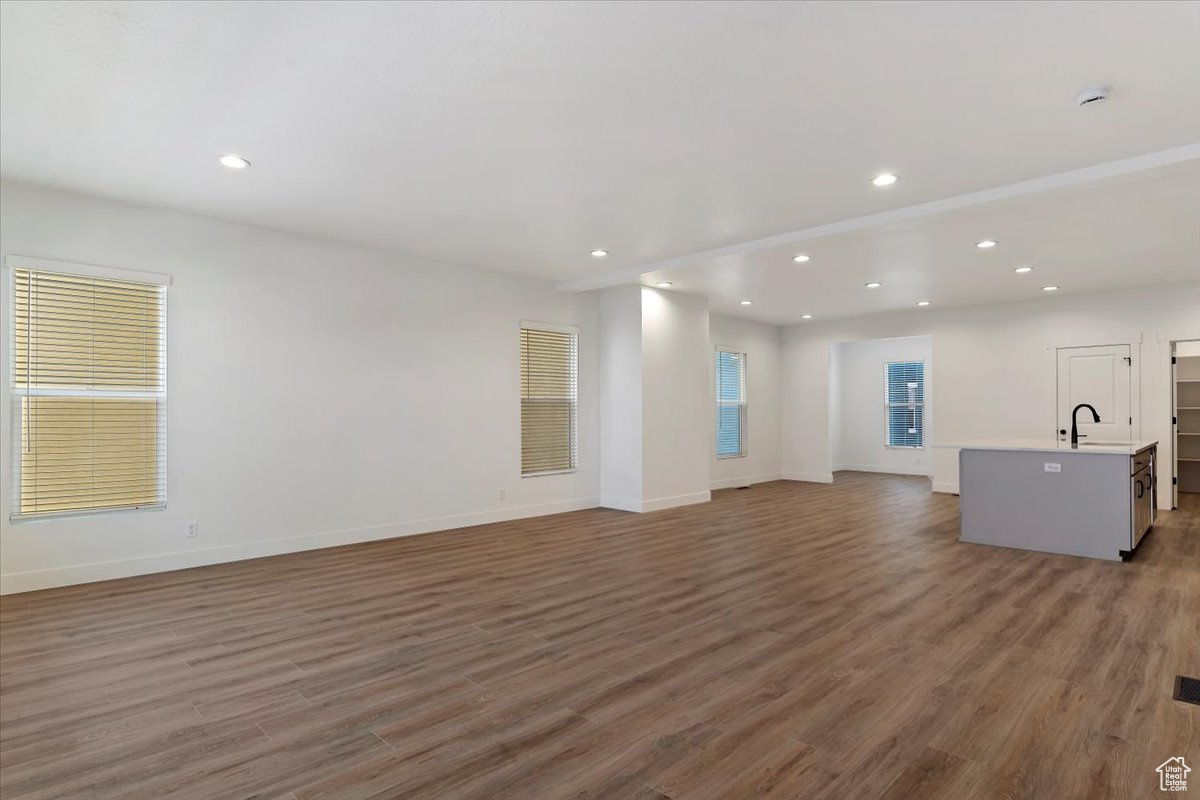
(503, 494)
(1052, 467)
(190, 530)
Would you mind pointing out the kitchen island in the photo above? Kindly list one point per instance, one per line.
(1095, 499)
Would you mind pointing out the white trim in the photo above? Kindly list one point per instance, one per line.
(743, 405)
(36, 517)
(945, 488)
(887, 470)
(16, 391)
(1060, 180)
(1167, 459)
(809, 477)
(888, 405)
(659, 504)
(124, 568)
(745, 480)
(549, 326)
(573, 332)
(662, 503)
(621, 504)
(88, 270)
(116, 393)
(544, 473)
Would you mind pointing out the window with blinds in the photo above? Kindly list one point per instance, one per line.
(731, 404)
(549, 399)
(904, 392)
(89, 393)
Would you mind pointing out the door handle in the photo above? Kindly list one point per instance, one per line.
(1141, 490)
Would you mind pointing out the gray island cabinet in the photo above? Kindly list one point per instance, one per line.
(1096, 499)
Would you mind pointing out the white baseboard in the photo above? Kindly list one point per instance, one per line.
(748, 480)
(883, 469)
(662, 503)
(809, 477)
(658, 504)
(947, 488)
(125, 568)
(621, 504)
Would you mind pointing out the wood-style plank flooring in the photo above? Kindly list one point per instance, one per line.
(787, 641)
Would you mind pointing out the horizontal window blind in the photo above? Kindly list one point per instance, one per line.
(731, 403)
(549, 400)
(905, 398)
(89, 393)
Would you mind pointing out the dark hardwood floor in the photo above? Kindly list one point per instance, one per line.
(787, 641)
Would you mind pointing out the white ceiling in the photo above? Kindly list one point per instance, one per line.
(1133, 230)
(519, 136)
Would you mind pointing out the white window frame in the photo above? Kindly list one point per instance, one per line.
(743, 405)
(888, 405)
(13, 263)
(555, 328)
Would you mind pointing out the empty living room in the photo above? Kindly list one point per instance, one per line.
(599, 400)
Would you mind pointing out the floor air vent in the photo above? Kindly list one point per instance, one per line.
(1187, 689)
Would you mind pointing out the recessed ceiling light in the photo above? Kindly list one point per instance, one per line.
(233, 162)
(885, 179)
(1023, 270)
(663, 284)
(874, 285)
(599, 253)
(747, 302)
(806, 316)
(800, 259)
(1095, 94)
(1049, 288)
(985, 244)
(922, 302)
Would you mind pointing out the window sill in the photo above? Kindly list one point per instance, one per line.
(721, 457)
(549, 472)
(904, 447)
(21, 519)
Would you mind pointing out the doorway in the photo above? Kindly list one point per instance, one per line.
(1185, 414)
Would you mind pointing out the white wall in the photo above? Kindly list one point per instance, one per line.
(995, 368)
(621, 398)
(676, 402)
(859, 420)
(760, 343)
(318, 393)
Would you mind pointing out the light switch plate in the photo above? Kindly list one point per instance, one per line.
(1052, 467)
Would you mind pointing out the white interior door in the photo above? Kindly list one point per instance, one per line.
(1098, 376)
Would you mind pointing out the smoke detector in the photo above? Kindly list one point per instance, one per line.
(1093, 95)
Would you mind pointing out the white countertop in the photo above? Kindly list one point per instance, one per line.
(1055, 446)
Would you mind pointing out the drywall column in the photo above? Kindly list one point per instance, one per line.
(677, 400)
(655, 399)
(621, 398)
